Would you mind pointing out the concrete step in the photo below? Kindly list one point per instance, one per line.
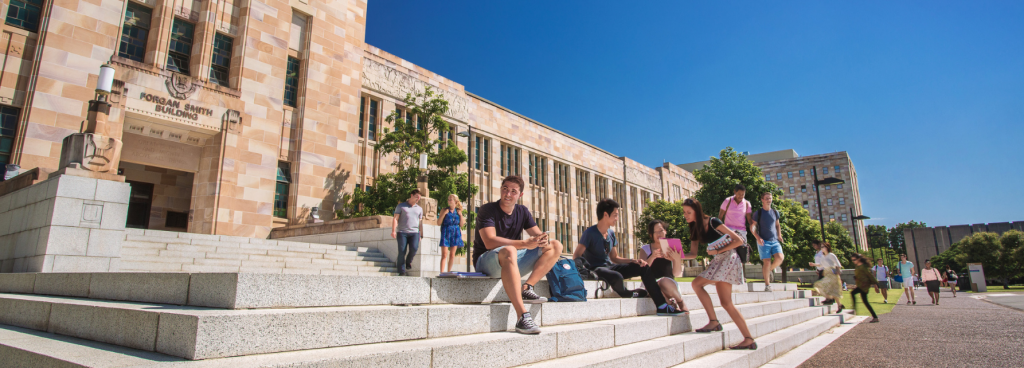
(347, 287)
(504, 349)
(202, 333)
(768, 347)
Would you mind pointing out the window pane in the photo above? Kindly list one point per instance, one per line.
(180, 51)
(24, 14)
(371, 132)
(362, 114)
(291, 85)
(134, 33)
(221, 63)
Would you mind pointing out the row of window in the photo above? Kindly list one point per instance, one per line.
(801, 173)
(803, 188)
(8, 126)
(828, 201)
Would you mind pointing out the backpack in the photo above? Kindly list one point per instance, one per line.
(565, 282)
(583, 267)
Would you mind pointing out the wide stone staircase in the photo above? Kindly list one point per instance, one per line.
(289, 320)
(165, 251)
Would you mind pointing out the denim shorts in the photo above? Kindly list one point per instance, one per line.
(525, 259)
(769, 248)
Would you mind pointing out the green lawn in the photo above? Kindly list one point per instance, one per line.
(999, 289)
(876, 302)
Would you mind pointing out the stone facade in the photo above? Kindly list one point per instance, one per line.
(926, 242)
(290, 107)
(796, 180)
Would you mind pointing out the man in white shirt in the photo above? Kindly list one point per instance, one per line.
(882, 275)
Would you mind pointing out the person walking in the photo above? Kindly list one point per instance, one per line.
(664, 266)
(908, 274)
(767, 231)
(736, 212)
(882, 275)
(819, 258)
(407, 229)
(931, 278)
(451, 222)
(951, 279)
(724, 270)
(865, 279)
(830, 286)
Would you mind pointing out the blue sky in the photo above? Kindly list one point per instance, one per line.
(926, 96)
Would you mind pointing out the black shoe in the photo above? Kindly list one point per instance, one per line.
(669, 311)
(828, 302)
(403, 273)
(639, 293)
(408, 266)
(525, 325)
(531, 297)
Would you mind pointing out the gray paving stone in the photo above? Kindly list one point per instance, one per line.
(63, 284)
(630, 330)
(17, 282)
(455, 320)
(593, 310)
(164, 288)
(494, 350)
(457, 291)
(119, 326)
(574, 340)
(24, 313)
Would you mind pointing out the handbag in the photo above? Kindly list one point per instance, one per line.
(741, 251)
(898, 278)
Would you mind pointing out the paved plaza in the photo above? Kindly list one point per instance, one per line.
(959, 332)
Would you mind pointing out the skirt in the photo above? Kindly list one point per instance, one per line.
(829, 286)
(933, 286)
(725, 267)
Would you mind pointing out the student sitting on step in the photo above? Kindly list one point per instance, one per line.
(597, 246)
(499, 249)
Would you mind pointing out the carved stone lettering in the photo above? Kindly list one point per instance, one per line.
(643, 179)
(180, 86)
(390, 81)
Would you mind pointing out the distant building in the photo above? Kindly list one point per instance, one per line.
(923, 243)
(793, 174)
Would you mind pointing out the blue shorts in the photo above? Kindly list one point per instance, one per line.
(525, 259)
(769, 248)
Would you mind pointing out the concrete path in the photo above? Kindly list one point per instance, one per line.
(1011, 299)
(959, 332)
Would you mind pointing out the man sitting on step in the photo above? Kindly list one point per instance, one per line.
(499, 249)
(597, 246)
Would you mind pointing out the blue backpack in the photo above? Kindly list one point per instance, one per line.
(565, 282)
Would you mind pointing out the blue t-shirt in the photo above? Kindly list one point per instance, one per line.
(597, 247)
(906, 270)
(766, 224)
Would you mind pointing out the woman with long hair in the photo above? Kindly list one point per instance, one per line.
(864, 279)
(451, 222)
(724, 270)
(830, 286)
(951, 278)
(665, 265)
(931, 278)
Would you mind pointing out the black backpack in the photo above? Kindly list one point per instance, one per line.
(583, 267)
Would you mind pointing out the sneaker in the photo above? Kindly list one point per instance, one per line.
(531, 297)
(525, 325)
(639, 293)
(874, 320)
(408, 266)
(885, 301)
(767, 287)
(669, 311)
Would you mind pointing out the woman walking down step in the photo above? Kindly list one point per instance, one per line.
(830, 286)
(865, 279)
(451, 220)
(724, 271)
(665, 266)
(931, 278)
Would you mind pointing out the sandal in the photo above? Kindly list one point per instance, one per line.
(752, 346)
(706, 329)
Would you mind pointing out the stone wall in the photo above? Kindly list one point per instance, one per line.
(63, 224)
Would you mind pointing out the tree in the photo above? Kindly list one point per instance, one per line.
(406, 143)
(671, 213)
(1009, 243)
(980, 248)
(896, 241)
(878, 241)
(798, 231)
(842, 243)
(949, 258)
(719, 177)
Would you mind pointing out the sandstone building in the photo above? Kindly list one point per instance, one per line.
(239, 116)
(792, 173)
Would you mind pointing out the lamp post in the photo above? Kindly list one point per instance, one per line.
(469, 201)
(817, 191)
(854, 223)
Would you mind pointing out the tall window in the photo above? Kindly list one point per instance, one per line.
(362, 114)
(829, 201)
(802, 173)
(844, 217)
(25, 14)
(180, 52)
(839, 186)
(824, 170)
(842, 200)
(582, 184)
(538, 170)
(284, 179)
(481, 150)
(8, 125)
(562, 178)
(790, 174)
(291, 84)
(831, 217)
(371, 121)
(778, 176)
(220, 66)
(791, 190)
(601, 188)
(768, 177)
(805, 204)
(837, 169)
(828, 187)
(509, 160)
(137, 20)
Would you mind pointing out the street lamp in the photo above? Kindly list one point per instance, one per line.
(817, 191)
(469, 201)
(854, 223)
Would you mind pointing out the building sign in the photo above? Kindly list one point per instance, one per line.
(174, 107)
(181, 105)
